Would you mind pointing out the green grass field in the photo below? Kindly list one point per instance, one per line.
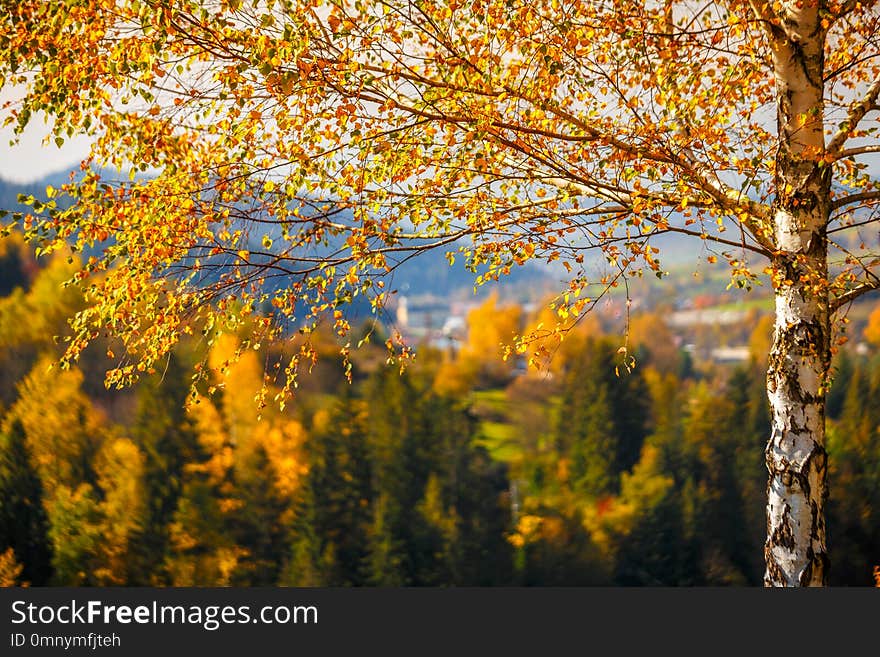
(497, 433)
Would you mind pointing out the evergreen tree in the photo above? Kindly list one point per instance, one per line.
(712, 438)
(395, 437)
(340, 486)
(751, 422)
(603, 418)
(24, 526)
(473, 490)
(843, 369)
(75, 530)
(854, 470)
(385, 563)
(586, 434)
(166, 435)
(305, 567)
(435, 538)
(643, 530)
(258, 523)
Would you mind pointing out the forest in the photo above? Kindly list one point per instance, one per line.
(463, 470)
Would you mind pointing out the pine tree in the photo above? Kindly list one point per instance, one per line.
(340, 483)
(711, 435)
(586, 434)
(751, 415)
(471, 487)
(75, 530)
(603, 418)
(167, 437)
(24, 526)
(854, 497)
(257, 525)
(435, 538)
(385, 561)
(843, 369)
(305, 566)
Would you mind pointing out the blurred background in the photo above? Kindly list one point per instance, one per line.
(466, 470)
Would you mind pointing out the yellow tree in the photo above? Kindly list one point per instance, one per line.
(650, 331)
(299, 150)
(10, 569)
(552, 350)
(120, 475)
(490, 327)
(872, 330)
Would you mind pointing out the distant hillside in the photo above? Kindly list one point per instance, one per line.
(9, 191)
(428, 274)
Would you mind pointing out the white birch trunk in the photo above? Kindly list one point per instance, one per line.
(795, 550)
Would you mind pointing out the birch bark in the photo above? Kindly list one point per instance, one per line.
(795, 549)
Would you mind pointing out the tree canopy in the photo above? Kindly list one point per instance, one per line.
(292, 153)
(287, 156)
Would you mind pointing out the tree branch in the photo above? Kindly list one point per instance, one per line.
(854, 198)
(859, 150)
(856, 113)
(764, 13)
(850, 5)
(854, 293)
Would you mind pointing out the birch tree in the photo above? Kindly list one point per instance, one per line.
(296, 152)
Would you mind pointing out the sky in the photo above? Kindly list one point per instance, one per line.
(31, 159)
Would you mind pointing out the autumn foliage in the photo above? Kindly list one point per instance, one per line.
(318, 145)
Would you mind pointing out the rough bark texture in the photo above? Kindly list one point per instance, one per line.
(795, 550)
